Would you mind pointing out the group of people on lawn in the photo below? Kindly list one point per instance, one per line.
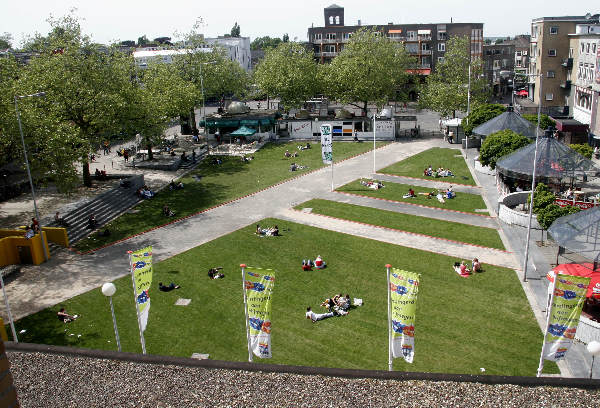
(441, 195)
(308, 264)
(440, 172)
(374, 184)
(461, 268)
(269, 232)
(337, 305)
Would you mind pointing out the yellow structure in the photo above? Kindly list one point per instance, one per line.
(3, 334)
(16, 249)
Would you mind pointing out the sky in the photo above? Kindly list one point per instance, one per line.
(111, 20)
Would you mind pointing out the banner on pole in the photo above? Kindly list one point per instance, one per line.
(404, 287)
(563, 318)
(258, 284)
(326, 144)
(141, 268)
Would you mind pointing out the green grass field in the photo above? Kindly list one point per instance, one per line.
(436, 157)
(219, 184)
(394, 191)
(488, 237)
(461, 324)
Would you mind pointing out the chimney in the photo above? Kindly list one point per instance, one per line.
(450, 20)
(358, 22)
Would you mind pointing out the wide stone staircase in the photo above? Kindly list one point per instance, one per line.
(105, 207)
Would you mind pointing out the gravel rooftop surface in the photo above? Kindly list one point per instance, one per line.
(49, 380)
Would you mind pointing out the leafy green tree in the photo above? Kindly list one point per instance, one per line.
(480, 115)
(128, 43)
(500, 144)
(84, 86)
(163, 40)
(583, 149)
(142, 41)
(263, 43)
(285, 38)
(9, 146)
(370, 68)
(545, 121)
(163, 96)
(235, 30)
(547, 215)
(543, 197)
(446, 89)
(288, 72)
(5, 41)
(212, 72)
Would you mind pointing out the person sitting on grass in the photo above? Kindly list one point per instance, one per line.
(410, 194)
(315, 317)
(213, 273)
(175, 186)
(64, 317)
(319, 263)
(167, 212)
(287, 154)
(169, 288)
(450, 193)
(475, 265)
(463, 268)
(306, 265)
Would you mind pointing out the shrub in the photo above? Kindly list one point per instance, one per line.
(500, 144)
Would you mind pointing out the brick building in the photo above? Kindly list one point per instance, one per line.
(425, 42)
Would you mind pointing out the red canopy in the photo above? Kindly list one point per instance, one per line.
(523, 92)
(580, 270)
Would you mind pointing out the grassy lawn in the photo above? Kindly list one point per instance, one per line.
(462, 324)
(436, 157)
(488, 237)
(219, 184)
(394, 191)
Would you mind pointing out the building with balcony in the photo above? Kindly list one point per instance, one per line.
(549, 53)
(583, 79)
(502, 59)
(425, 42)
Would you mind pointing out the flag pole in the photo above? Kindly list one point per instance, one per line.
(137, 308)
(243, 266)
(548, 310)
(331, 172)
(389, 310)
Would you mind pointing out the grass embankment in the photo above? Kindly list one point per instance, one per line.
(435, 157)
(464, 202)
(219, 184)
(461, 324)
(487, 237)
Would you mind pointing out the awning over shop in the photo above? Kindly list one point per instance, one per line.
(570, 125)
(243, 131)
(249, 122)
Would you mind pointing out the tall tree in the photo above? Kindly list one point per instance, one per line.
(142, 41)
(5, 41)
(370, 68)
(288, 72)
(446, 89)
(285, 38)
(84, 86)
(481, 114)
(235, 30)
(263, 43)
(500, 144)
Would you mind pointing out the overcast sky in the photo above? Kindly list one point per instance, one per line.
(110, 20)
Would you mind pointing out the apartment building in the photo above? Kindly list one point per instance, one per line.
(499, 66)
(584, 77)
(425, 42)
(549, 58)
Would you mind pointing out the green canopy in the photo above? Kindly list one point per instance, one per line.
(243, 131)
(249, 122)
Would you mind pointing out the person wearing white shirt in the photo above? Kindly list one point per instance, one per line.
(315, 317)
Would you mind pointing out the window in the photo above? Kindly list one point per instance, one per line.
(552, 52)
(549, 96)
(518, 53)
(554, 30)
(505, 63)
(440, 59)
(441, 46)
(570, 52)
(587, 48)
(337, 19)
(330, 48)
(550, 74)
(318, 36)
(441, 36)
(496, 64)
(411, 35)
(593, 48)
(347, 36)
(488, 52)
(524, 52)
(330, 19)
(582, 47)
(330, 36)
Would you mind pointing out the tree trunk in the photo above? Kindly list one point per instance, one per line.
(149, 147)
(195, 131)
(87, 178)
(365, 107)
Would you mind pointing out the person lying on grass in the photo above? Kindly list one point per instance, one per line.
(315, 317)
(270, 232)
(64, 317)
(213, 273)
(169, 288)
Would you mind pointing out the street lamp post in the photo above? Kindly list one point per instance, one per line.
(593, 348)
(468, 111)
(37, 215)
(108, 290)
(537, 138)
(203, 104)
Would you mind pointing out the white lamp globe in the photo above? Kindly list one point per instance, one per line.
(108, 289)
(593, 348)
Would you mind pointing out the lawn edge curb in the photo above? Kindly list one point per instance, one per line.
(407, 232)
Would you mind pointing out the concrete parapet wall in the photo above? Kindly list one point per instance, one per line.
(514, 217)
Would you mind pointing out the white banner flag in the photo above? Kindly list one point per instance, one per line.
(326, 144)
